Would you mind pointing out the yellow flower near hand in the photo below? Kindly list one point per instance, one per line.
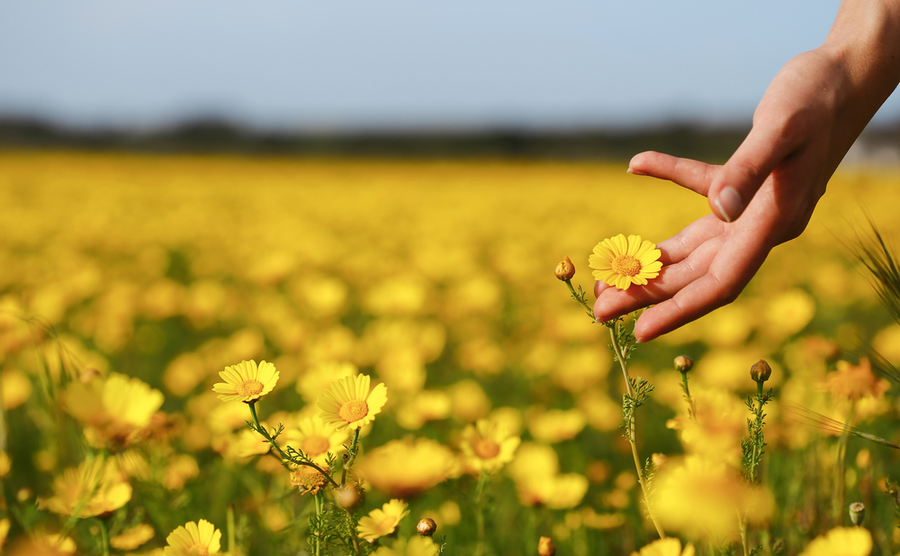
(382, 521)
(194, 539)
(349, 403)
(246, 382)
(620, 262)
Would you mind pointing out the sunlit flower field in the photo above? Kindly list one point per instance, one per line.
(273, 356)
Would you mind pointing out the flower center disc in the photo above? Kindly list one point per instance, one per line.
(199, 549)
(249, 388)
(315, 445)
(486, 449)
(354, 410)
(626, 265)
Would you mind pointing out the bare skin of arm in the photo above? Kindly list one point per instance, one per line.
(810, 115)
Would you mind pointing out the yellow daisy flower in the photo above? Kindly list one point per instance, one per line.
(620, 262)
(841, 541)
(406, 468)
(487, 446)
(91, 489)
(382, 521)
(317, 439)
(194, 539)
(132, 538)
(116, 410)
(416, 546)
(666, 547)
(349, 403)
(246, 382)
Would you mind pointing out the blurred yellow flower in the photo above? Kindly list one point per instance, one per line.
(194, 539)
(854, 382)
(4, 531)
(132, 538)
(316, 379)
(246, 382)
(93, 488)
(621, 262)
(487, 446)
(700, 497)
(382, 521)
(15, 388)
(719, 422)
(349, 403)
(116, 410)
(405, 468)
(556, 425)
(43, 544)
(665, 547)
(181, 467)
(416, 546)
(841, 541)
(317, 439)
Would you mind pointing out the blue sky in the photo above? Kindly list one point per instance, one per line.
(347, 64)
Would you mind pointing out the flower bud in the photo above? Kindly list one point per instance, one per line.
(857, 513)
(565, 269)
(426, 527)
(683, 363)
(347, 497)
(546, 547)
(760, 371)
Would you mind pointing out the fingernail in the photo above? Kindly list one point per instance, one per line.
(630, 171)
(730, 204)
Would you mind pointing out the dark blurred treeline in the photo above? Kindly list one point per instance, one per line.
(708, 143)
(215, 136)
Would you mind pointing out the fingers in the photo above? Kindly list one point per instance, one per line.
(688, 173)
(734, 186)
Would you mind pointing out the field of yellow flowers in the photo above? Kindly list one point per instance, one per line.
(273, 356)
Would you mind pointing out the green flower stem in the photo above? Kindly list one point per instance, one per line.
(687, 394)
(229, 524)
(104, 537)
(579, 297)
(284, 457)
(840, 469)
(351, 456)
(320, 507)
(479, 512)
(754, 462)
(620, 357)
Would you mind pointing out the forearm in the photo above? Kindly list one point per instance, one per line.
(864, 45)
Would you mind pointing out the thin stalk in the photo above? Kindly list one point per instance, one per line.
(320, 505)
(479, 513)
(687, 395)
(229, 524)
(104, 537)
(754, 463)
(351, 453)
(620, 356)
(745, 545)
(840, 469)
(284, 457)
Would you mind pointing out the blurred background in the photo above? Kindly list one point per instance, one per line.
(510, 78)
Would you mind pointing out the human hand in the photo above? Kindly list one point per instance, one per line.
(763, 196)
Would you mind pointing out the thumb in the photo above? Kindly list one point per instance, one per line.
(740, 178)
